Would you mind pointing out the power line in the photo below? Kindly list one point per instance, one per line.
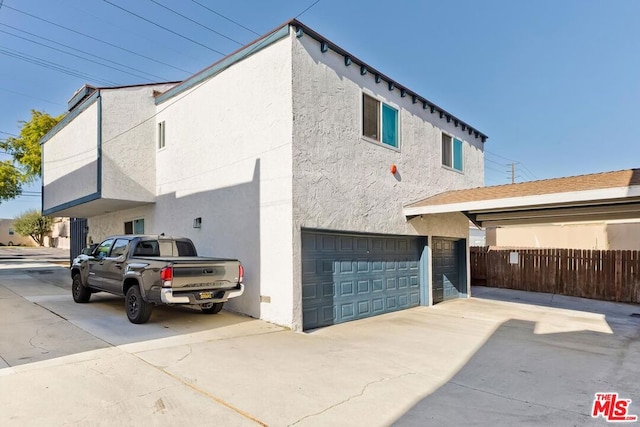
(98, 40)
(29, 96)
(498, 155)
(512, 161)
(52, 66)
(10, 134)
(304, 11)
(74, 55)
(81, 51)
(225, 17)
(164, 28)
(101, 18)
(493, 161)
(196, 22)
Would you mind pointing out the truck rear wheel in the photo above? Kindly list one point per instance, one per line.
(138, 310)
(215, 308)
(80, 293)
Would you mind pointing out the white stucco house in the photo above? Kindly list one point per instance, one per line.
(290, 154)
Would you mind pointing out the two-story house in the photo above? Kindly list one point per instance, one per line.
(290, 154)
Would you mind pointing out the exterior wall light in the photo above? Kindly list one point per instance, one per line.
(197, 222)
(363, 70)
(324, 46)
(394, 169)
(347, 60)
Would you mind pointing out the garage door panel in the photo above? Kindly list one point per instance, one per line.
(328, 243)
(363, 287)
(372, 275)
(347, 289)
(364, 308)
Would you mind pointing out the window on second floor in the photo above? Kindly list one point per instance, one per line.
(161, 130)
(379, 121)
(451, 152)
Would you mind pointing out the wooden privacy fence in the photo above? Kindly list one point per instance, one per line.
(602, 275)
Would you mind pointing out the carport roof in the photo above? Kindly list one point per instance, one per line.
(600, 196)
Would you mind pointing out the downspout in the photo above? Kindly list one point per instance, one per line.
(99, 153)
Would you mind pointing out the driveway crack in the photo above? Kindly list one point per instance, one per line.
(518, 400)
(355, 396)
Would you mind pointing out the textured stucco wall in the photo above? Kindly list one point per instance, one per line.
(227, 160)
(70, 160)
(103, 226)
(129, 143)
(342, 181)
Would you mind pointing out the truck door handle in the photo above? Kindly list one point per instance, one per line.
(118, 266)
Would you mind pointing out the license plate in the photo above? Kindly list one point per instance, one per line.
(205, 295)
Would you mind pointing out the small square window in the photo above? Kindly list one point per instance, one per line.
(134, 227)
(161, 132)
(452, 152)
(379, 121)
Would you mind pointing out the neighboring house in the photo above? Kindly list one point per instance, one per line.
(9, 237)
(60, 234)
(291, 155)
(602, 235)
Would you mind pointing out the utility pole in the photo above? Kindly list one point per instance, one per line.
(513, 173)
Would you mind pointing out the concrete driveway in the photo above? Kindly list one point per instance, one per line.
(500, 358)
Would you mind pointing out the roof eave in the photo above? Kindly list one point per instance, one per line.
(527, 202)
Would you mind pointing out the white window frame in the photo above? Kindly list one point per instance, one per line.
(452, 157)
(381, 102)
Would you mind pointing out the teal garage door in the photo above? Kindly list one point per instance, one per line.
(347, 277)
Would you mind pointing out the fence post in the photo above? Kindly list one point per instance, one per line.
(618, 274)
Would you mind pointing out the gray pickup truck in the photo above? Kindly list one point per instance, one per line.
(151, 270)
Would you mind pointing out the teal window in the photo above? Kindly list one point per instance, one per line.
(389, 126)
(379, 121)
(452, 152)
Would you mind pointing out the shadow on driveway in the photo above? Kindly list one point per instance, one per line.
(542, 372)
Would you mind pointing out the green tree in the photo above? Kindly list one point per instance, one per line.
(32, 223)
(25, 148)
(10, 181)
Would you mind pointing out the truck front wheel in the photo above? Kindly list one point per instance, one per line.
(215, 308)
(80, 293)
(138, 310)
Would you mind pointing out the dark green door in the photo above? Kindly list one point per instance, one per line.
(446, 279)
(348, 276)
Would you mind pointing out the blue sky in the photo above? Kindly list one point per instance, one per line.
(555, 84)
